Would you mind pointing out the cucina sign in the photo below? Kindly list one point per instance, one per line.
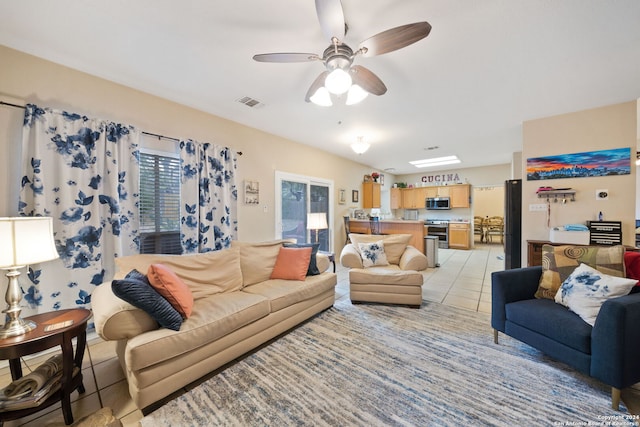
(442, 178)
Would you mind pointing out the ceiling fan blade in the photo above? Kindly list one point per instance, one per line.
(331, 18)
(367, 80)
(395, 38)
(286, 57)
(317, 84)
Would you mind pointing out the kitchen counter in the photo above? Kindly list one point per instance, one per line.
(392, 226)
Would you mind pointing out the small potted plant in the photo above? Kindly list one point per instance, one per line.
(375, 176)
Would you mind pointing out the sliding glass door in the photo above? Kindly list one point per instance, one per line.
(297, 196)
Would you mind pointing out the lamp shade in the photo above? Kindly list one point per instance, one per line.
(338, 81)
(25, 241)
(317, 221)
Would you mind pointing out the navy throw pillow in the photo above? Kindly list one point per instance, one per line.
(136, 290)
(313, 266)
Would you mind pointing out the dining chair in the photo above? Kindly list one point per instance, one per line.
(346, 229)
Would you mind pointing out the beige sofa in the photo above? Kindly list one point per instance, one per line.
(398, 282)
(237, 307)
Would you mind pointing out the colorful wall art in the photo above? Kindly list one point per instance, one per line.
(579, 165)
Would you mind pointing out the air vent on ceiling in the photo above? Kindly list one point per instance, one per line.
(250, 102)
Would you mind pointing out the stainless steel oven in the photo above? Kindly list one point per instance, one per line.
(440, 229)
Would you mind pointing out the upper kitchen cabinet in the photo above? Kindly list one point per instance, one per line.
(396, 198)
(370, 195)
(460, 195)
(439, 191)
(413, 198)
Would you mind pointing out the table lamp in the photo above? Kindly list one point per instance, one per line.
(317, 221)
(23, 241)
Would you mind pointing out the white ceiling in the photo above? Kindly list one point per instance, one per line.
(487, 66)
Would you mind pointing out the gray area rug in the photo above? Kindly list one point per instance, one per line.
(376, 365)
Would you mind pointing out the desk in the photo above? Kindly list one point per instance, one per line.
(44, 337)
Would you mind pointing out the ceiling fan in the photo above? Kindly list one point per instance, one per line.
(341, 76)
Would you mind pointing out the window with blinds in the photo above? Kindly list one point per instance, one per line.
(159, 204)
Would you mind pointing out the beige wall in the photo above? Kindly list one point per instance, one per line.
(488, 201)
(24, 78)
(481, 176)
(613, 126)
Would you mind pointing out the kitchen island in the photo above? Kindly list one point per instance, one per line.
(389, 226)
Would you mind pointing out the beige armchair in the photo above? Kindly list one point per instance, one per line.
(397, 282)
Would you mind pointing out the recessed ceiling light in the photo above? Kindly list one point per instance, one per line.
(436, 161)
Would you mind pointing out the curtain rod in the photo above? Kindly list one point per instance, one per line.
(144, 132)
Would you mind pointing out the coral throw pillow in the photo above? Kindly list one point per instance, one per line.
(313, 266)
(292, 263)
(172, 288)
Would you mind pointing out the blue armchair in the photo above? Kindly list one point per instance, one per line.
(609, 351)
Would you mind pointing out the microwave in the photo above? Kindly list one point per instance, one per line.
(436, 203)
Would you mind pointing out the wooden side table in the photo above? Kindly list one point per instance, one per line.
(53, 329)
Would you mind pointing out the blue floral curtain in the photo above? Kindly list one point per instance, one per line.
(208, 197)
(84, 173)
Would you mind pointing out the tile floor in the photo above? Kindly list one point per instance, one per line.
(463, 280)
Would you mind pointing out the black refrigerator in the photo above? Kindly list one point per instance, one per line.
(512, 223)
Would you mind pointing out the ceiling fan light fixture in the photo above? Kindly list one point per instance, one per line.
(360, 146)
(321, 97)
(356, 94)
(338, 81)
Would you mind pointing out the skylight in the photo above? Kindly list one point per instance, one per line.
(436, 161)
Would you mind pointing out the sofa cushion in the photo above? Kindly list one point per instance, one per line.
(387, 275)
(172, 288)
(558, 323)
(257, 259)
(586, 289)
(373, 254)
(394, 244)
(558, 262)
(136, 289)
(284, 293)
(213, 318)
(291, 263)
(206, 273)
(313, 261)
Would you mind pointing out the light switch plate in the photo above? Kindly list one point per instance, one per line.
(537, 207)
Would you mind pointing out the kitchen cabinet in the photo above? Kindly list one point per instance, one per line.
(413, 198)
(396, 198)
(459, 235)
(460, 195)
(370, 195)
(437, 191)
(415, 228)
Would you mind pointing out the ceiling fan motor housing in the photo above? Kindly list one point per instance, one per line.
(338, 56)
